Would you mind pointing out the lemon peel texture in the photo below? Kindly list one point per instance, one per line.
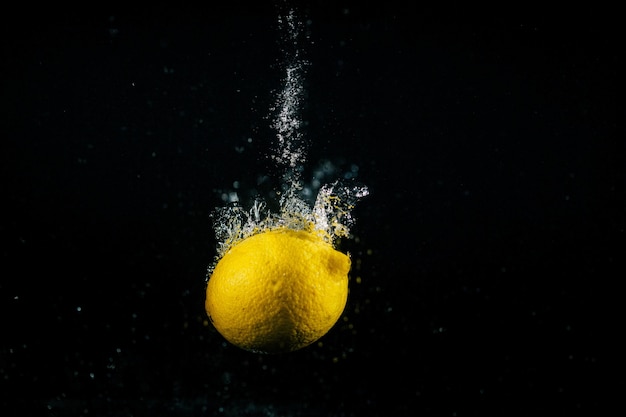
(278, 291)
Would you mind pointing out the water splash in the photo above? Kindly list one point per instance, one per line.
(330, 216)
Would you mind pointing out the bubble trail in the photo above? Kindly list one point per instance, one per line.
(330, 217)
(291, 148)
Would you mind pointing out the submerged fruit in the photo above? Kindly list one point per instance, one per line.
(278, 290)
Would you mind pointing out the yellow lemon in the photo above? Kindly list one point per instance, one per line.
(278, 291)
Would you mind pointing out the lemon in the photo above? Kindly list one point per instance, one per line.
(278, 291)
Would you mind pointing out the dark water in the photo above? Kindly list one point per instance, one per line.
(483, 253)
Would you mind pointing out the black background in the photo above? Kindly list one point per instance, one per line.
(484, 253)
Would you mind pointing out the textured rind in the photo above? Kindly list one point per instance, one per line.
(278, 291)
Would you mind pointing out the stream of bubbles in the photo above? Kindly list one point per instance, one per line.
(330, 216)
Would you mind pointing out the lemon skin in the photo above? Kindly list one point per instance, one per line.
(278, 291)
